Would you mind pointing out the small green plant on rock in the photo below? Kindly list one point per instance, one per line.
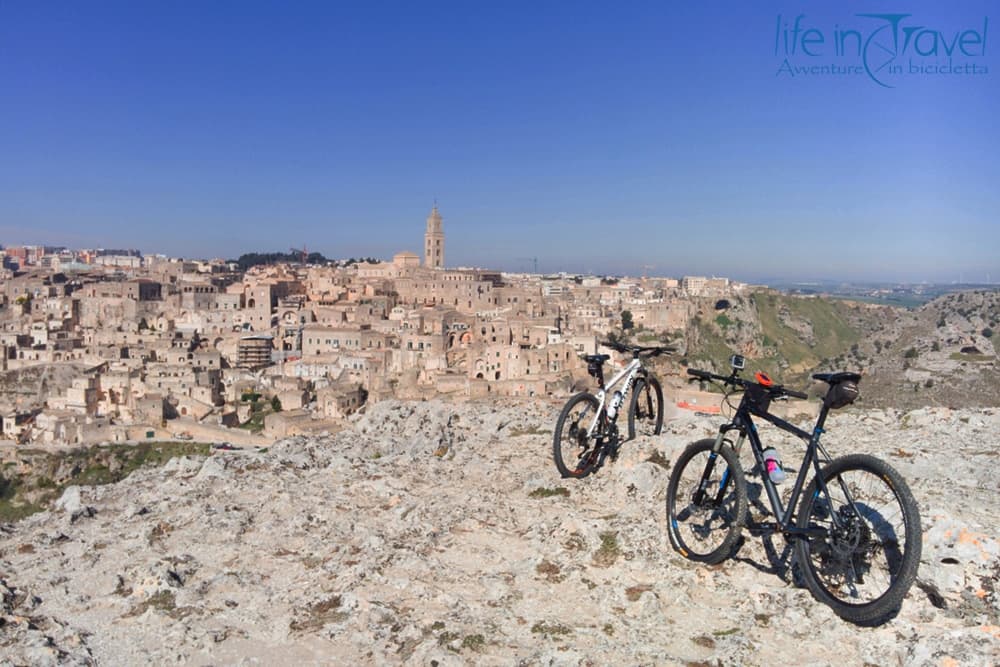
(725, 633)
(529, 430)
(473, 642)
(550, 629)
(544, 492)
(163, 602)
(609, 551)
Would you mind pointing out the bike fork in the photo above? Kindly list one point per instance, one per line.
(699, 494)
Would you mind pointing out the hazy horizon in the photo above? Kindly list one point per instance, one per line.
(593, 138)
(523, 267)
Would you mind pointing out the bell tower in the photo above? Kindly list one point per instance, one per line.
(434, 241)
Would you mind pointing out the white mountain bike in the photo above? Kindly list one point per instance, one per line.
(587, 431)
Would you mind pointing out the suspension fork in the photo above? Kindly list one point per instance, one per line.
(724, 484)
(699, 494)
(641, 372)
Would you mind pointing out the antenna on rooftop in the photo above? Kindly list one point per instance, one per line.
(532, 260)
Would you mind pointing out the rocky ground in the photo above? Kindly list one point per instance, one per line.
(434, 533)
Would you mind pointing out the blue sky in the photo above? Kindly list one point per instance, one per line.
(591, 136)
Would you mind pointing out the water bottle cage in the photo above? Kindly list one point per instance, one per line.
(616, 402)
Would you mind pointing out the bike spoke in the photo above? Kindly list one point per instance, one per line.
(576, 449)
(704, 505)
(861, 557)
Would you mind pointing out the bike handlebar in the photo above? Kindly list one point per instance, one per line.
(736, 381)
(725, 379)
(636, 350)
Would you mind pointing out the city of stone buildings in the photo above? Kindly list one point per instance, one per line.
(111, 345)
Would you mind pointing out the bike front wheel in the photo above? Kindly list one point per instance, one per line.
(575, 452)
(865, 559)
(645, 410)
(706, 502)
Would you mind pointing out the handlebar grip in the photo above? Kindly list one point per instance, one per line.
(704, 375)
(796, 394)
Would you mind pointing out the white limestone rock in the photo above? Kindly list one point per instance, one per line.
(413, 536)
(69, 502)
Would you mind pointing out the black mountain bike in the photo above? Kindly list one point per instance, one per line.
(857, 535)
(587, 430)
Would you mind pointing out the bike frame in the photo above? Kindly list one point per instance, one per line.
(628, 374)
(743, 423)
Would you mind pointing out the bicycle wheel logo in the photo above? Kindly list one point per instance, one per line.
(879, 57)
(881, 52)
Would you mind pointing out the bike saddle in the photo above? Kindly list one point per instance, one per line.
(837, 378)
(596, 358)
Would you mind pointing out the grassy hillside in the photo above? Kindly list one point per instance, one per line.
(832, 334)
(786, 336)
(37, 477)
(942, 353)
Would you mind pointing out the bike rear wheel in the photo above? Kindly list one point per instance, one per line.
(645, 410)
(706, 502)
(575, 453)
(864, 566)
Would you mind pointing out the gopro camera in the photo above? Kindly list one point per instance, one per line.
(737, 362)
